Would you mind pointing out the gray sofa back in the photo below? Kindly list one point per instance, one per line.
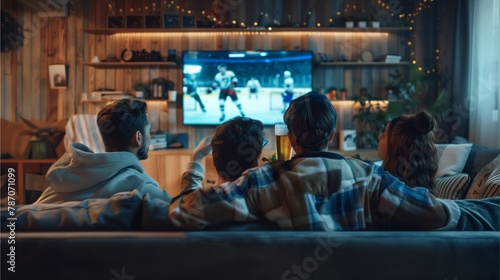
(254, 255)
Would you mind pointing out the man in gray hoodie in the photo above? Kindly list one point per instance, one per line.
(82, 174)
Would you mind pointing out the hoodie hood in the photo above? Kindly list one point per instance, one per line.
(80, 168)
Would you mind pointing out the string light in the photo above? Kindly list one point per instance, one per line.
(410, 17)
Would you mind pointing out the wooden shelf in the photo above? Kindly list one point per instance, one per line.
(355, 64)
(110, 31)
(23, 166)
(130, 64)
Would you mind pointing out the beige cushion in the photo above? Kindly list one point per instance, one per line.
(487, 181)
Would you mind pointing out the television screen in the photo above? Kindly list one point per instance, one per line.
(219, 85)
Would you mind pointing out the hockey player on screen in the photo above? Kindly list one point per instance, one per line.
(253, 86)
(227, 81)
(191, 89)
(287, 94)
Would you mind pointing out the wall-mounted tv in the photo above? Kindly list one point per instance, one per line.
(219, 85)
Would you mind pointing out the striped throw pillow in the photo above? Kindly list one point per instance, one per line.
(486, 182)
(492, 185)
(452, 187)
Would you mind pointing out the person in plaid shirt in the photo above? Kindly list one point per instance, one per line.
(315, 190)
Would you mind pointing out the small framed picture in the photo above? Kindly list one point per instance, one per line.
(58, 76)
(347, 140)
(171, 21)
(116, 22)
(134, 22)
(153, 21)
(188, 21)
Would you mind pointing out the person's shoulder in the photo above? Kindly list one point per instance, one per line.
(361, 167)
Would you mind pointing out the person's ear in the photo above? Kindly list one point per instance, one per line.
(330, 138)
(137, 139)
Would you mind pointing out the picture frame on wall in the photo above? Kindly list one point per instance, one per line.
(115, 22)
(171, 21)
(153, 21)
(134, 22)
(347, 140)
(188, 21)
(58, 76)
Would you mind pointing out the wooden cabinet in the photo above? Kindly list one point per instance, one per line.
(21, 169)
(166, 167)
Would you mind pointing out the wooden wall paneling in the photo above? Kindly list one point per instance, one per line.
(100, 14)
(71, 58)
(24, 100)
(5, 84)
(100, 51)
(258, 43)
(50, 37)
(159, 44)
(62, 103)
(147, 73)
(111, 50)
(90, 50)
(136, 71)
(123, 79)
(37, 95)
(44, 70)
(80, 49)
(268, 41)
(7, 78)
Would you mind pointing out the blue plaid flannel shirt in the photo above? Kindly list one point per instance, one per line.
(315, 191)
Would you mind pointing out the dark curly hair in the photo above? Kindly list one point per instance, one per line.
(236, 145)
(119, 121)
(411, 153)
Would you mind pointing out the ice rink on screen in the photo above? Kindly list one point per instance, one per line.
(268, 108)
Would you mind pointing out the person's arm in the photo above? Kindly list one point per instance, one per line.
(234, 81)
(414, 208)
(196, 207)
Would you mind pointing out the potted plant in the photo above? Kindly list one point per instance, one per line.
(362, 21)
(141, 89)
(349, 22)
(43, 142)
(369, 120)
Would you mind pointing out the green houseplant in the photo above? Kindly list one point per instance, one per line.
(142, 89)
(369, 120)
(43, 140)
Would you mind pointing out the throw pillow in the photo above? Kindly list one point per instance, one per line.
(452, 158)
(488, 176)
(452, 187)
(492, 185)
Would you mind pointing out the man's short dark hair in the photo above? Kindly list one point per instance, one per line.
(236, 145)
(119, 121)
(311, 118)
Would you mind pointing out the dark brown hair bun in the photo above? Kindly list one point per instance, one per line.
(423, 123)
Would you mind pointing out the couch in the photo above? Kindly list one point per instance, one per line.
(123, 238)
